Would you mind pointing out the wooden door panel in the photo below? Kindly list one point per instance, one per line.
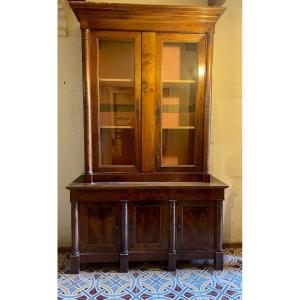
(148, 221)
(195, 229)
(180, 86)
(99, 227)
(148, 226)
(116, 100)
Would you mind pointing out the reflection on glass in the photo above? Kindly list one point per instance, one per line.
(178, 103)
(179, 61)
(116, 59)
(178, 147)
(117, 146)
(178, 106)
(116, 102)
(116, 106)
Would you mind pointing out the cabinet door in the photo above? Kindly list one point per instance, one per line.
(195, 225)
(116, 92)
(180, 84)
(99, 227)
(148, 226)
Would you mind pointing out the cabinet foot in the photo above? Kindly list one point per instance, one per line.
(219, 261)
(75, 264)
(124, 259)
(172, 262)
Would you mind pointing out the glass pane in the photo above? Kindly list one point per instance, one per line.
(178, 103)
(117, 146)
(116, 102)
(177, 147)
(116, 59)
(116, 106)
(179, 61)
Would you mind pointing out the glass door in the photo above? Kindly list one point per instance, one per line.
(117, 106)
(180, 83)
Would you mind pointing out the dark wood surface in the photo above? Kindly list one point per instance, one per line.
(213, 184)
(147, 225)
(87, 103)
(124, 237)
(141, 176)
(146, 211)
(148, 96)
(172, 236)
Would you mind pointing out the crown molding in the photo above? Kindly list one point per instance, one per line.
(146, 17)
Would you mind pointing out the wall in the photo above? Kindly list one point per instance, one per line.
(226, 115)
(226, 150)
(70, 122)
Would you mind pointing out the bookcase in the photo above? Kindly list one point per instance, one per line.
(146, 193)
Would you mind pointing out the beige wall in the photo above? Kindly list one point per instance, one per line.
(226, 150)
(226, 115)
(70, 122)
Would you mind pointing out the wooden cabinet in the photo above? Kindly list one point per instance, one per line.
(146, 193)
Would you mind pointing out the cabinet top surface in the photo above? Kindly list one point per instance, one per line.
(213, 184)
(126, 6)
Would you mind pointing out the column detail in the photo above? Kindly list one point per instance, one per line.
(75, 256)
(124, 238)
(172, 236)
(218, 235)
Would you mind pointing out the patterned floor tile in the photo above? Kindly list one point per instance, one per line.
(192, 280)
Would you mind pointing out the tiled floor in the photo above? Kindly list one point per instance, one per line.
(192, 280)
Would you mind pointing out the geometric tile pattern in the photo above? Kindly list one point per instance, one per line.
(192, 280)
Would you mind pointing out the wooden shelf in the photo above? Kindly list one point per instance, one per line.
(116, 126)
(117, 82)
(178, 108)
(116, 79)
(180, 127)
(178, 81)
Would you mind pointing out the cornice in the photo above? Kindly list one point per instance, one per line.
(106, 15)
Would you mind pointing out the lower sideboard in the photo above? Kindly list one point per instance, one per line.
(146, 224)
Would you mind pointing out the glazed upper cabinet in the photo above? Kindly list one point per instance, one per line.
(147, 101)
(116, 100)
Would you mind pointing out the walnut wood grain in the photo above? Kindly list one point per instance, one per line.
(207, 104)
(148, 96)
(124, 238)
(148, 185)
(75, 256)
(218, 235)
(159, 18)
(86, 74)
(146, 211)
(172, 236)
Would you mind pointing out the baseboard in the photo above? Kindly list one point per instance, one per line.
(232, 245)
(64, 249)
(225, 245)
